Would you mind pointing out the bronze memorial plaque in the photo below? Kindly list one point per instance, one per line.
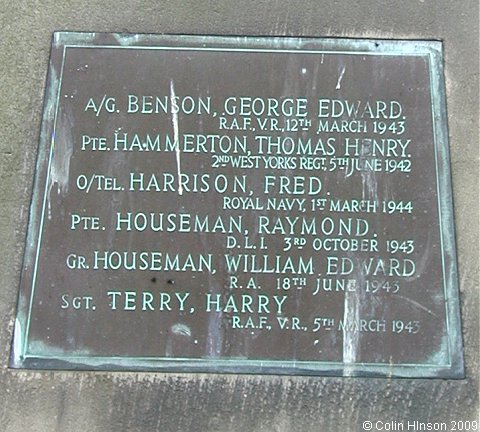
(247, 205)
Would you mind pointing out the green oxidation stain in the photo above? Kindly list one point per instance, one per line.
(42, 349)
(18, 341)
(49, 114)
(61, 38)
(393, 47)
(440, 357)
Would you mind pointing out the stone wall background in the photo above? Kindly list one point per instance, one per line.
(101, 401)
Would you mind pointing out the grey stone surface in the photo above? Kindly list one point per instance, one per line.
(100, 401)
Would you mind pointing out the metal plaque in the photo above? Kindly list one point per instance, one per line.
(247, 205)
